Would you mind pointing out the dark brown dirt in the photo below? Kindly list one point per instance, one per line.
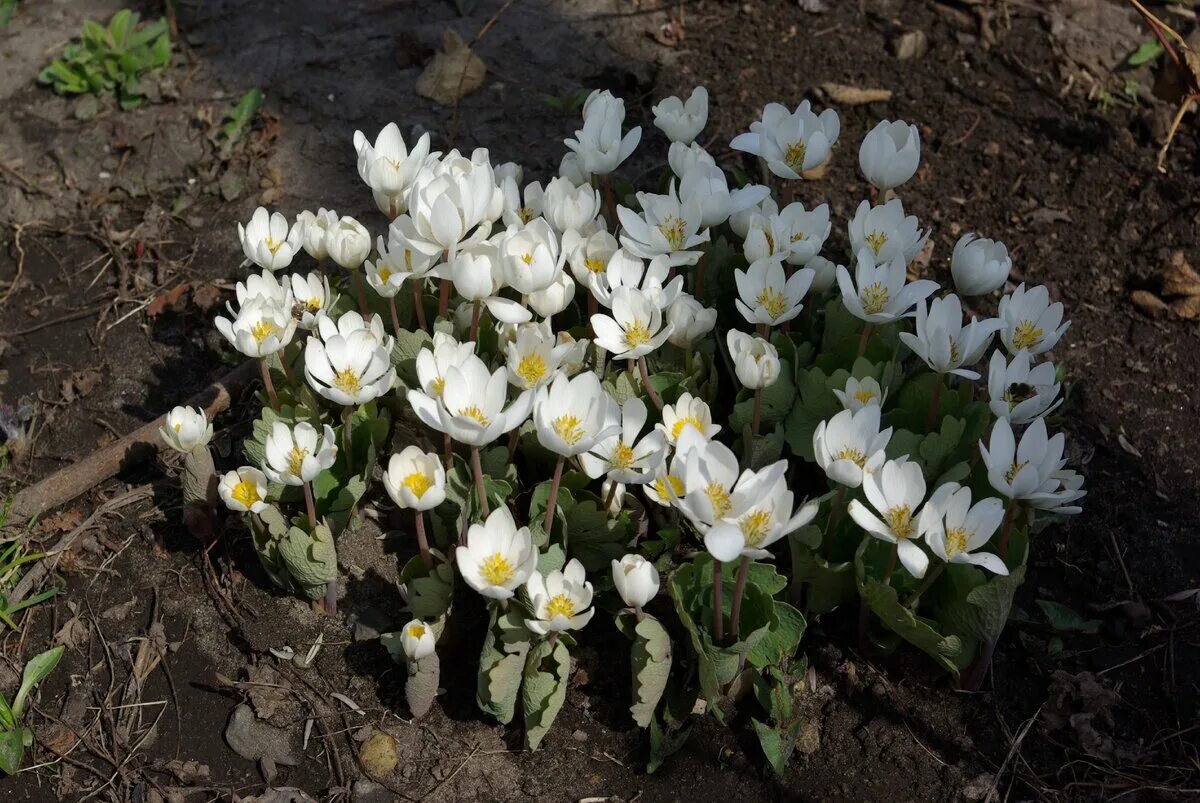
(1066, 181)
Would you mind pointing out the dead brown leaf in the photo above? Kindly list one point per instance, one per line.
(168, 300)
(80, 384)
(670, 34)
(847, 95)
(1179, 278)
(454, 72)
(206, 297)
(62, 522)
(1148, 303)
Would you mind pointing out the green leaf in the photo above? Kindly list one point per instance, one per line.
(622, 388)
(502, 662)
(594, 538)
(883, 601)
(827, 586)
(429, 594)
(12, 750)
(781, 640)
(983, 613)
(404, 354)
(664, 742)
(552, 559)
(1066, 620)
(547, 668)
(759, 451)
(650, 659)
(777, 744)
(35, 672)
(1149, 50)
(310, 559)
(421, 687)
(240, 117)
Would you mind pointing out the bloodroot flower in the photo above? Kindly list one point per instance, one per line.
(561, 600)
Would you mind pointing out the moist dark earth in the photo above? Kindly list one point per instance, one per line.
(1031, 133)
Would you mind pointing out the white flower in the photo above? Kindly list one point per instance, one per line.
(668, 480)
(314, 228)
(860, 393)
(572, 167)
(261, 286)
(890, 153)
(186, 428)
(508, 170)
(268, 241)
(707, 186)
(575, 354)
(296, 456)
(534, 356)
(388, 167)
(402, 259)
(571, 415)
(886, 232)
(636, 580)
(450, 206)
(433, 361)
(498, 557)
(690, 320)
(569, 207)
(554, 299)
(635, 328)
(666, 227)
(764, 514)
(943, 343)
(352, 321)
(684, 158)
(470, 407)
(1059, 493)
(682, 121)
(475, 272)
(755, 361)
(626, 270)
(520, 207)
(1025, 470)
(599, 145)
(794, 234)
(979, 265)
(417, 640)
(955, 529)
(790, 142)
(767, 295)
(244, 490)
(620, 456)
(896, 492)
(1018, 392)
(850, 446)
(348, 369)
(742, 221)
(530, 258)
(711, 480)
(588, 257)
(881, 293)
(310, 298)
(1030, 322)
(348, 243)
(415, 479)
(688, 412)
(561, 600)
(824, 274)
(262, 327)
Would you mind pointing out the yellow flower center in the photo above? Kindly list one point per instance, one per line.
(178, 427)
(770, 235)
(718, 497)
(384, 274)
(569, 428)
(272, 245)
(899, 521)
(475, 414)
(245, 493)
(496, 569)
(864, 396)
(793, 157)
(418, 482)
(772, 300)
(296, 460)
(527, 258)
(855, 456)
(525, 214)
(531, 369)
(1017, 393)
(347, 382)
(956, 541)
(672, 229)
(1027, 335)
(875, 298)
(685, 421)
(636, 334)
(416, 631)
(437, 386)
(877, 240)
(755, 527)
(676, 486)
(797, 236)
(622, 456)
(560, 605)
(955, 354)
(594, 265)
(262, 330)
(1013, 471)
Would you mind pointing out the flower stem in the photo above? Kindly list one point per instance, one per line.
(757, 411)
(331, 598)
(513, 439)
(347, 439)
(891, 564)
(718, 603)
(360, 292)
(687, 361)
(650, 391)
(418, 306)
(422, 541)
(447, 451)
(444, 298)
(475, 321)
(268, 384)
(287, 370)
(310, 506)
(698, 290)
(592, 306)
(930, 577)
(552, 502)
(1006, 528)
(395, 317)
(864, 338)
(739, 590)
(480, 493)
(835, 512)
(935, 404)
(611, 496)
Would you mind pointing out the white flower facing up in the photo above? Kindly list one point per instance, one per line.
(688, 412)
(348, 369)
(708, 186)
(186, 428)
(886, 232)
(795, 234)
(621, 456)
(1018, 392)
(682, 121)
(415, 480)
(850, 446)
(261, 328)
(348, 243)
(569, 207)
(690, 321)
(666, 227)
(1030, 322)
(767, 295)
(475, 272)
(530, 257)
(534, 356)
(433, 361)
(268, 240)
(450, 208)
(470, 407)
(388, 167)
(956, 530)
(979, 265)
(244, 490)
(742, 222)
(895, 492)
(791, 143)
(890, 154)
(296, 456)
(351, 321)
(261, 286)
(314, 228)
(560, 600)
(418, 640)
(860, 393)
(712, 482)
(571, 415)
(755, 361)
(881, 293)
(520, 207)
(626, 270)
(634, 329)
(402, 259)
(636, 580)
(764, 515)
(1025, 469)
(588, 257)
(599, 146)
(943, 343)
(499, 557)
(311, 296)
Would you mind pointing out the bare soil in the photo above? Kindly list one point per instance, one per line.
(105, 214)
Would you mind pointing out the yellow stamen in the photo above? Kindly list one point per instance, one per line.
(418, 482)
(956, 541)
(1013, 471)
(594, 265)
(672, 229)
(875, 298)
(245, 493)
(1027, 335)
(864, 396)
(347, 382)
(296, 460)
(877, 240)
(416, 631)
(636, 334)
(560, 605)
(531, 369)
(475, 414)
(272, 245)
(773, 301)
(569, 428)
(525, 214)
(496, 569)
(676, 486)
(755, 527)
(793, 157)
(262, 330)
(384, 274)
(899, 521)
(684, 421)
(178, 427)
(718, 497)
(622, 457)
(797, 236)
(437, 386)
(855, 456)
(527, 258)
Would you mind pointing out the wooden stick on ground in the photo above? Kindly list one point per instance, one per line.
(64, 485)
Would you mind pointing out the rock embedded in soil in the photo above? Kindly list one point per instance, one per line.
(255, 740)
